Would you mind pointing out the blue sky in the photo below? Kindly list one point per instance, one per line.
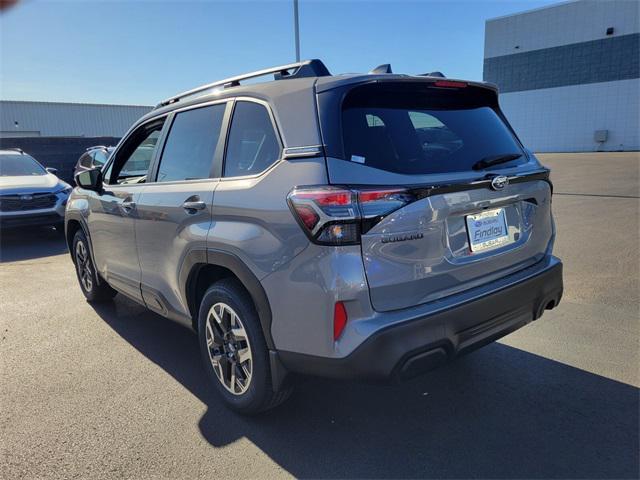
(139, 52)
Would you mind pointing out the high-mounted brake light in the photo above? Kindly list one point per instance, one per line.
(450, 84)
(338, 216)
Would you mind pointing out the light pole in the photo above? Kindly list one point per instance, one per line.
(296, 29)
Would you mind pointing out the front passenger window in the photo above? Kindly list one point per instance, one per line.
(132, 162)
(253, 144)
(138, 163)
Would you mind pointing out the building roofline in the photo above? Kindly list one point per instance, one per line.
(533, 10)
(77, 103)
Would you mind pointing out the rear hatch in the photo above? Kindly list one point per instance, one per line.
(456, 202)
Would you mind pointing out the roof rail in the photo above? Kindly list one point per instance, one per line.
(306, 68)
(15, 149)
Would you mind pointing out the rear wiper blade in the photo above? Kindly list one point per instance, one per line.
(495, 160)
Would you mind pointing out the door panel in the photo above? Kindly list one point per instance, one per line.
(111, 224)
(114, 210)
(167, 227)
(174, 211)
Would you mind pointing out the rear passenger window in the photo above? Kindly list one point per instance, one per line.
(191, 144)
(253, 144)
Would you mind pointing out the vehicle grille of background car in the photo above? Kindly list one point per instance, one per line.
(22, 203)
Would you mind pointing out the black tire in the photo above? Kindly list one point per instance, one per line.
(94, 288)
(259, 395)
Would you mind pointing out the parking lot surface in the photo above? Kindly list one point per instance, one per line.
(116, 391)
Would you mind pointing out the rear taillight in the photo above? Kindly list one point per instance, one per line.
(338, 216)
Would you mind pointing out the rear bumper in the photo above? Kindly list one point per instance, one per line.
(413, 347)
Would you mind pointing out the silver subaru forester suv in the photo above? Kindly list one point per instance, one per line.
(367, 226)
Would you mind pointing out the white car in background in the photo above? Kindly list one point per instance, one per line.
(30, 194)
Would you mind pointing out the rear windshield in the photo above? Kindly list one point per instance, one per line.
(19, 165)
(423, 130)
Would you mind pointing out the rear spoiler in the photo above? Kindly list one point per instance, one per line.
(355, 80)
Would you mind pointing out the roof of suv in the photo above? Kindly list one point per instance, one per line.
(291, 94)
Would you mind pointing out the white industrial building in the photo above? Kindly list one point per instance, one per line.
(569, 74)
(49, 119)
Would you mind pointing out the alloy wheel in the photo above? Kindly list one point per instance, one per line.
(83, 265)
(229, 349)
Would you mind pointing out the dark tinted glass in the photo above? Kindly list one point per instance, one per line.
(253, 145)
(423, 131)
(18, 165)
(188, 153)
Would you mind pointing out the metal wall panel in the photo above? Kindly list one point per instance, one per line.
(564, 119)
(561, 24)
(562, 77)
(48, 119)
(604, 60)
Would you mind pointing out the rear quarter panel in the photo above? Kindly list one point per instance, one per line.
(251, 217)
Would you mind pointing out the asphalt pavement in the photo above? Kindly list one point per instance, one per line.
(116, 391)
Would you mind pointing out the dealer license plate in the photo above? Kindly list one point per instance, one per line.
(487, 230)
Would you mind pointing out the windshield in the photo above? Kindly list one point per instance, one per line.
(19, 165)
(422, 131)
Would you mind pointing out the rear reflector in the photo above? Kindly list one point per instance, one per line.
(339, 320)
(450, 84)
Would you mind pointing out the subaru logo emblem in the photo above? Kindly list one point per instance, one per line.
(499, 182)
(26, 197)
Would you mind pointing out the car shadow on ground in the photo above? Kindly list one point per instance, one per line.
(29, 243)
(499, 412)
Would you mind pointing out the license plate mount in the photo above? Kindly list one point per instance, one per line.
(487, 230)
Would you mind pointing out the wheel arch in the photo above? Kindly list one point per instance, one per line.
(203, 267)
(72, 224)
(71, 228)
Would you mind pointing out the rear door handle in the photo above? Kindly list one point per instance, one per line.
(192, 206)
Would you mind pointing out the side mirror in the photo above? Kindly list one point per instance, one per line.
(53, 171)
(90, 179)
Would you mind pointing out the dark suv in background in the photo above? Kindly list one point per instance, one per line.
(351, 226)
